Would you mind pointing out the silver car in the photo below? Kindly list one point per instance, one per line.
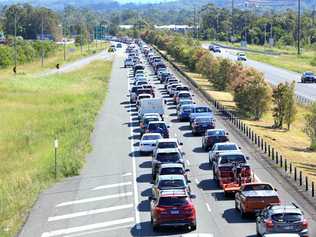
(282, 219)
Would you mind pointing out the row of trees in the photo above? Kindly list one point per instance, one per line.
(253, 96)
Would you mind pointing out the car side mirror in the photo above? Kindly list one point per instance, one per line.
(187, 170)
(168, 126)
(247, 157)
(181, 143)
(192, 195)
(275, 189)
(188, 181)
(165, 102)
(227, 134)
(239, 147)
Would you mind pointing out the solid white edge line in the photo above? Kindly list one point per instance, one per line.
(86, 227)
(208, 207)
(89, 212)
(137, 215)
(188, 162)
(112, 185)
(94, 199)
(127, 174)
(98, 231)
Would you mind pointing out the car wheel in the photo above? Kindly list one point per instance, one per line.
(193, 227)
(257, 231)
(236, 205)
(242, 213)
(210, 163)
(155, 227)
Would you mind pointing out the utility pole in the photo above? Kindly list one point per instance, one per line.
(298, 27)
(81, 38)
(233, 27)
(265, 34)
(42, 38)
(64, 27)
(15, 52)
(194, 19)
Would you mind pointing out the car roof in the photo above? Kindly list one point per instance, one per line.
(151, 134)
(184, 92)
(168, 150)
(225, 143)
(157, 122)
(171, 165)
(171, 177)
(215, 130)
(278, 209)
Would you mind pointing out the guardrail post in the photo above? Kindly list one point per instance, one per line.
(313, 189)
(301, 178)
(252, 136)
(285, 165)
(265, 147)
(291, 168)
(295, 173)
(269, 150)
(281, 161)
(272, 153)
(258, 141)
(306, 183)
(255, 138)
(244, 128)
(261, 143)
(277, 157)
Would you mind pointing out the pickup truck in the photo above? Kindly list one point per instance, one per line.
(252, 198)
(200, 111)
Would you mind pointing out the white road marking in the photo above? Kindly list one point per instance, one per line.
(127, 174)
(112, 185)
(257, 178)
(87, 227)
(89, 212)
(208, 207)
(188, 162)
(198, 235)
(137, 215)
(98, 231)
(95, 199)
(196, 181)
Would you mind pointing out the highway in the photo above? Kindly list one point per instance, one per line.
(110, 197)
(272, 74)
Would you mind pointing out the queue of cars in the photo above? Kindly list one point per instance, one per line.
(171, 200)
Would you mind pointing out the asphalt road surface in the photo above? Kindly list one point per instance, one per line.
(110, 197)
(273, 74)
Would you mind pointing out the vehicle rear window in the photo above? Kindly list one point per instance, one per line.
(167, 145)
(157, 125)
(287, 217)
(229, 147)
(168, 157)
(173, 201)
(257, 187)
(147, 120)
(174, 183)
(233, 158)
(203, 120)
(151, 137)
(216, 133)
(202, 110)
(185, 95)
(172, 170)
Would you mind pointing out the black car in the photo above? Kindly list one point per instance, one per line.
(158, 127)
(213, 136)
(158, 66)
(138, 67)
(308, 77)
(201, 124)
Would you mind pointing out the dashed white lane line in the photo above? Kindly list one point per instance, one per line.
(90, 212)
(127, 174)
(112, 186)
(208, 207)
(197, 181)
(94, 199)
(137, 215)
(99, 230)
(87, 227)
(257, 179)
(188, 162)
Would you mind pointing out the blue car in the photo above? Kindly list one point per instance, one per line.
(184, 112)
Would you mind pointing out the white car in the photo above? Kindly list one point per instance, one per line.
(221, 147)
(148, 142)
(241, 57)
(167, 143)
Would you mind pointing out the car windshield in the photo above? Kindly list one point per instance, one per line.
(202, 110)
(164, 145)
(168, 157)
(172, 183)
(309, 74)
(142, 82)
(255, 187)
(228, 147)
(157, 125)
(151, 137)
(287, 217)
(216, 133)
(172, 170)
(147, 120)
(144, 97)
(173, 201)
(184, 95)
(186, 102)
(232, 158)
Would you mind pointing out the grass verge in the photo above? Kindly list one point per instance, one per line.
(33, 111)
(292, 145)
(72, 53)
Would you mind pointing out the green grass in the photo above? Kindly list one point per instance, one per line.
(72, 53)
(33, 111)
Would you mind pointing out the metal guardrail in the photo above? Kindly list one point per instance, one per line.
(297, 179)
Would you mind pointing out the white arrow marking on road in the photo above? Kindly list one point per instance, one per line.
(112, 186)
(87, 227)
(94, 199)
(89, 212)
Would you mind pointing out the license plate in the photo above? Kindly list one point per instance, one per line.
(174, 212)
(288, 227)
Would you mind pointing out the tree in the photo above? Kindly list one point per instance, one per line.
(253, 97)
(290, 109)
(222, 78)
(310, 126)
(279, 100)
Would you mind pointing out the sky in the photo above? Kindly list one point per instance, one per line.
(143, 1)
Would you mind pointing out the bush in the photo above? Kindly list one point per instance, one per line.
(6, 56)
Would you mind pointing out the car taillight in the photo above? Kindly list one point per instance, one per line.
(160, 210)
(305, 224)
(189, 209)
(268, 223)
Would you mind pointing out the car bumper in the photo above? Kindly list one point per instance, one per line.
(303, 233)
(176, 222)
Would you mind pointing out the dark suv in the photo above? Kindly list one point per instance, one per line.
(213, 136)
(158, 127)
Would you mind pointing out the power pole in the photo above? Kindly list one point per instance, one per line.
(42, 38)
(15, 52)
(81, 38)
(298, 27)
(233, 27)
(194, 19)
(265, 34)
